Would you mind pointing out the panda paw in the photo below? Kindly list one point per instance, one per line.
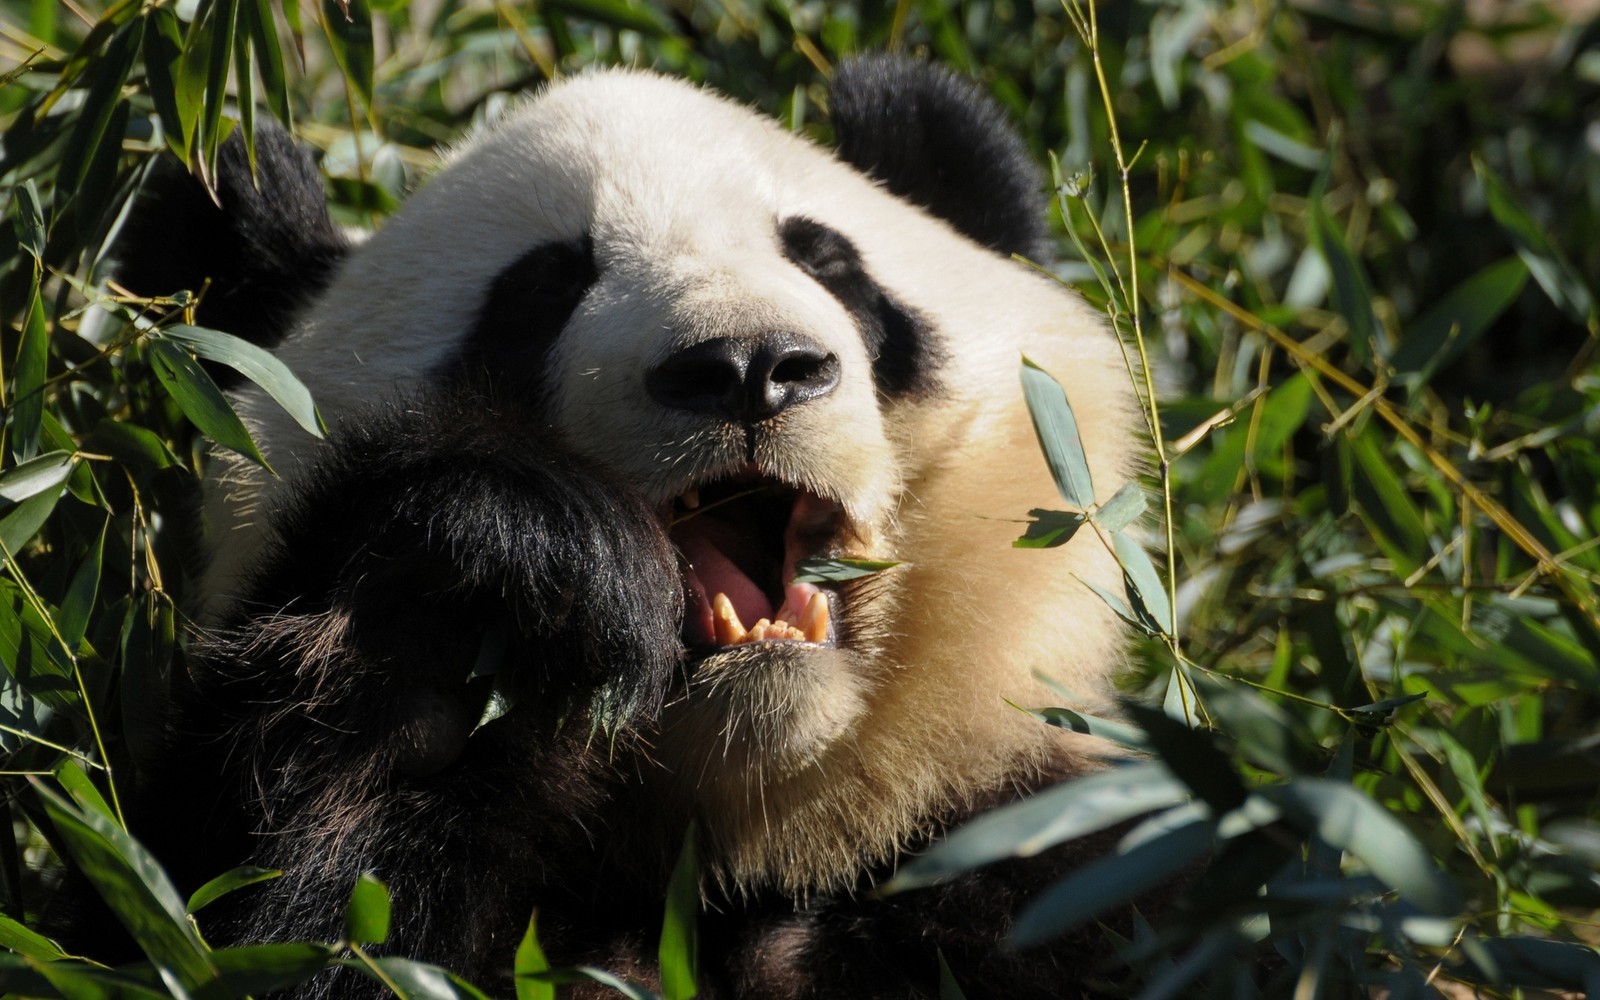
(445, 553)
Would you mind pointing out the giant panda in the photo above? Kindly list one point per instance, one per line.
(594, 391)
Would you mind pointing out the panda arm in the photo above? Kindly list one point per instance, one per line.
(328, 727)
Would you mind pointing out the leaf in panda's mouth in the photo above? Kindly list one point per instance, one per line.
(741, 541)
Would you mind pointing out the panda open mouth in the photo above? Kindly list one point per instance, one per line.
(740, 539)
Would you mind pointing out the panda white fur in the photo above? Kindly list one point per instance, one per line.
(632, 347)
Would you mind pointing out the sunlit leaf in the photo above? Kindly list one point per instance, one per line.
(200, 399)
(229, 881)
(1057, 429)
(366, 916)
(259, 366)
(837, 570)
(1053, 816)
(679, 951)
(531, 961)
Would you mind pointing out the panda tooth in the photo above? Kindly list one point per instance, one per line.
(729, 631)
(814, 620)
(691, 497)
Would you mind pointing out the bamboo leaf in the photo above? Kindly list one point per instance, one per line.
(259, 366)
(366, 916)
(530, 962)
(229, 881)
(200, 399)
(1057, 429)
(679, 951)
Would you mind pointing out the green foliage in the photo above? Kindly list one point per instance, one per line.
(1373, 630)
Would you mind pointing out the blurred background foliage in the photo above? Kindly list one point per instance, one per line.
(1357, 242)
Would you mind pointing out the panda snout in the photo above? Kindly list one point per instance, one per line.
(744, 379)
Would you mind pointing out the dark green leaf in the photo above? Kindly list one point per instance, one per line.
(1109, 882)
(227, 882)
(350, 37)
(414, 980)
(1352, 293)
(220, 25)
(366, 916)
(1106, 729)
(623, 14)
(1444, 332)
(837, 570)
(268, 57)
(81, 788)
(1548, 265)
(92, 129)
(29, 219)
(22, 522)
(1349, 821)
(28, 376)
(949, 989)
(1049, 528)
(259, 366)
(134, 887)
(1056, 815)
(253, 970)
(200, 399)
(679, 951)
(1057, 429)
(530, 961)
(78, 605)
(163, 68)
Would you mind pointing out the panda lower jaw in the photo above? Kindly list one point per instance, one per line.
(739, 540)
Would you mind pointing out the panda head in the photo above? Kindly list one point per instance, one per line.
(793, 353)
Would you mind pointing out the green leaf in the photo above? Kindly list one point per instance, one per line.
(1145, 591)
(229, 881)
(366, 916)
(1050, 528)
(36, 475)
(949, 989)
(1110, 882)
(28, 376)
(530, 961)
(1352, 293)
(1039, 822)
(1347, 820)
(81, 788)
(134, 887)
(1122, 509)
(259, 366)
(837, 570)
(1548, 265)
(200, 399)
(1444, 332)
(415, 980)
(220, 26)
(1107, 729)
(628, 16)
(163, 69)
(77, 606)
(679, 951)
(19, 526)
(29, 219)
(1057, 429)
(256, 969)
(350, 38)
(268, 57)
(92, 128)
(15, 937)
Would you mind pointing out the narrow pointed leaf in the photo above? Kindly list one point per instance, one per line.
(36, 475)
(1050, 528)
(1039, 822)
(1122, 509)
(1057, 429)
(531, 961)
(259, 366)
(679, 951)
(1145, 590)
(229, 881)
(28, 375)
(200, 399)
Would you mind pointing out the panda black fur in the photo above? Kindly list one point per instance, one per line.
(632, 346)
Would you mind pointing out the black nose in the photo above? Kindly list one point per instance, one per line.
(745, 379)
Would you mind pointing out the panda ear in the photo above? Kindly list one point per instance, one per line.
(266, 250)
(936, 139)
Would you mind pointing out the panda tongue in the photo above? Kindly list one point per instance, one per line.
(711, 573)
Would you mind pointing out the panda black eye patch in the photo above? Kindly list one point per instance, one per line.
(527, 306)
(904, 350)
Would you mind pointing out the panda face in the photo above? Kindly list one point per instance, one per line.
(789, 362)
